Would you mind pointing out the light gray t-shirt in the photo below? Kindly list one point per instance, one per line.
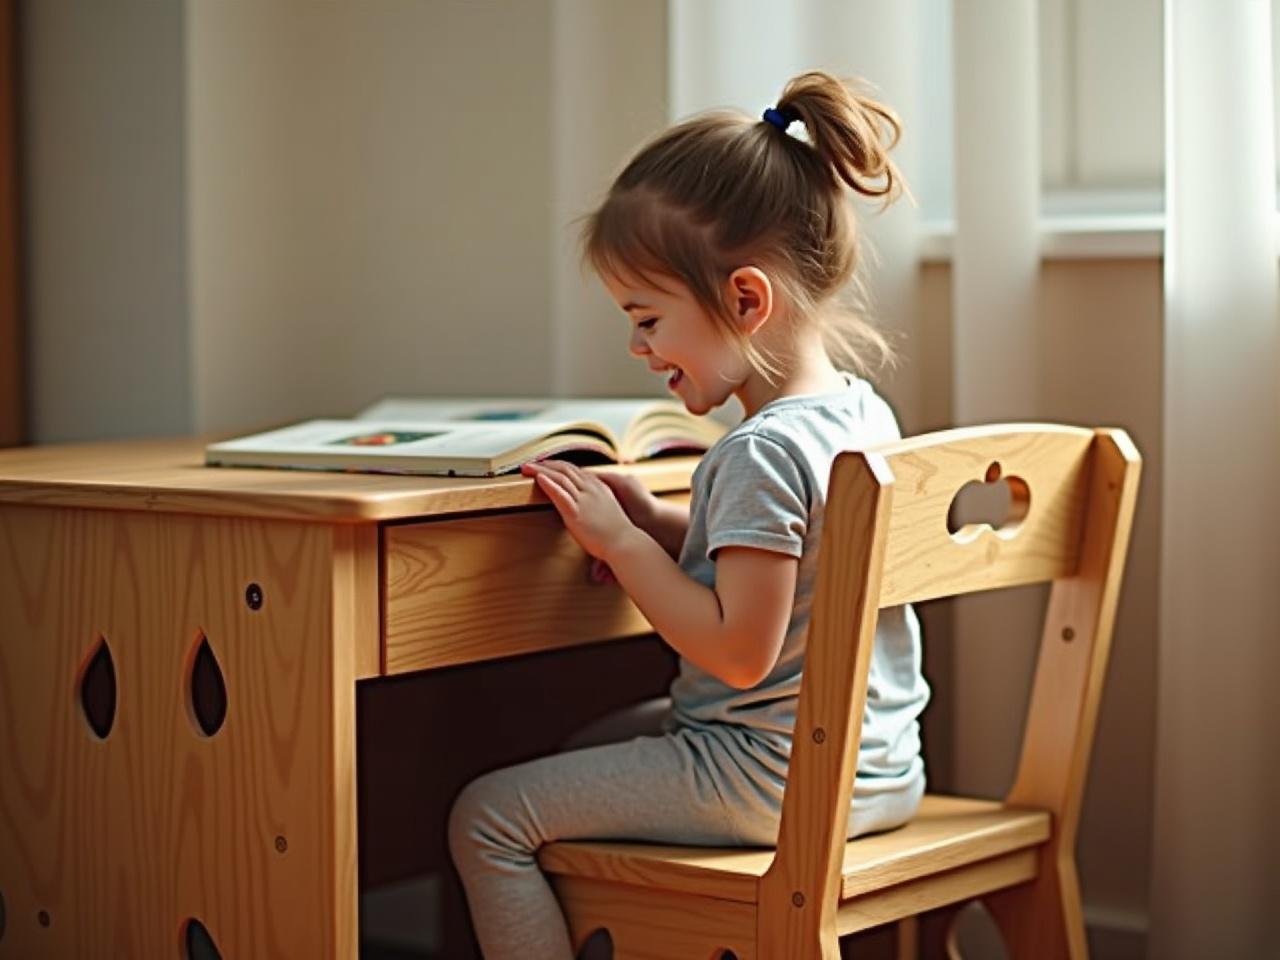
(764, 484)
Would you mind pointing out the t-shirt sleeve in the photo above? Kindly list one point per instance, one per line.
(758, 498)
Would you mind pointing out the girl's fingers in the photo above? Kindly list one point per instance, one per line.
(550, 468)
(626, 489)
(560, 493)
(570, 473)
(614, 481)
(554, 481)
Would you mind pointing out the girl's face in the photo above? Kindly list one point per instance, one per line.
(674, 336)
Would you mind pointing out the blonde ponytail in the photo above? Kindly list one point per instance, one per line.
(851, 132)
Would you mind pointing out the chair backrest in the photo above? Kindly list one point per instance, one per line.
(885, 542)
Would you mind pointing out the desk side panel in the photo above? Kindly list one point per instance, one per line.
(108, 846)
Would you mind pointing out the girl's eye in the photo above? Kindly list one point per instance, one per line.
(647, 324)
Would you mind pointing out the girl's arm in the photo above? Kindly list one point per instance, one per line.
(665, 521)
(733, 632)
(669, 525)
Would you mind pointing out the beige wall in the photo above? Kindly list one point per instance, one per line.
(382, 198)
(239, 213)
(369, 204)
(101, 112)
(608, 94)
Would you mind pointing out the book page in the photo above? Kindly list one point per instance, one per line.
(390, 438)
(618, 414)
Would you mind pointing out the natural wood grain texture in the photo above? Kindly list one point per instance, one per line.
(924, 561)
(168, 476)
(12, 406)
(655, 926)
(723, 873)
(357, 559)
(122, 839)
(458, 591)
(356, 650)
(947, 832)
(885, 540)
(935, 890)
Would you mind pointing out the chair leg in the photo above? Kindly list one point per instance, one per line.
(1042, 919)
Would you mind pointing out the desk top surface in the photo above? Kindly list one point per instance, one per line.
(169, 476)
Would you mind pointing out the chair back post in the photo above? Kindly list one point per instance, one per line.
(799, 893)
(1070, 669)
(1046, 918)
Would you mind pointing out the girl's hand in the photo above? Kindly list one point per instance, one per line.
(591, 513)
(637, 502)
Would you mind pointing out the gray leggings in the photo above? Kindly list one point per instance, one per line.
(634, 783)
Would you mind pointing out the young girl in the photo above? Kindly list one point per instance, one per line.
(726, 242)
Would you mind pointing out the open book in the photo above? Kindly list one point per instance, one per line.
(475, 437)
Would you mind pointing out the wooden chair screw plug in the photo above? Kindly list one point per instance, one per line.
(886, 542)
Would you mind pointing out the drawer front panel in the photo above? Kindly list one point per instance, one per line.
(457, 591)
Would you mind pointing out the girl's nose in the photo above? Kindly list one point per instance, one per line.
(637, 345)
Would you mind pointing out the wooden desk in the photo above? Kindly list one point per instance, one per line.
(299, 585)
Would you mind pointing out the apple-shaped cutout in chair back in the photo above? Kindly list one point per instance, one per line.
(997, 503)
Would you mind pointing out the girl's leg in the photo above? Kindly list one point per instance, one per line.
(647, 718)
(877, 810)
(650, 788)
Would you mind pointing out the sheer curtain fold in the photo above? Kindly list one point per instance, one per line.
(995, 275)
(1216, 864)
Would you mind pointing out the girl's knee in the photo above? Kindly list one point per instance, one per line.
(485, 816)
(465, 819)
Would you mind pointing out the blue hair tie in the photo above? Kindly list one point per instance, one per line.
(778, 118)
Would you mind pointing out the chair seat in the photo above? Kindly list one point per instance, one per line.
(947, 832)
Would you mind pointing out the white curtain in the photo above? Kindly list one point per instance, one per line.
(995, 271)
(1216, 865)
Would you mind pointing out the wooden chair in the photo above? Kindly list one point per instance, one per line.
(886, 542)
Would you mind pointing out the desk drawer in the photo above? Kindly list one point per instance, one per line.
(457, 591)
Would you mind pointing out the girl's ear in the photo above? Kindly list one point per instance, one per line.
(751, 297)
